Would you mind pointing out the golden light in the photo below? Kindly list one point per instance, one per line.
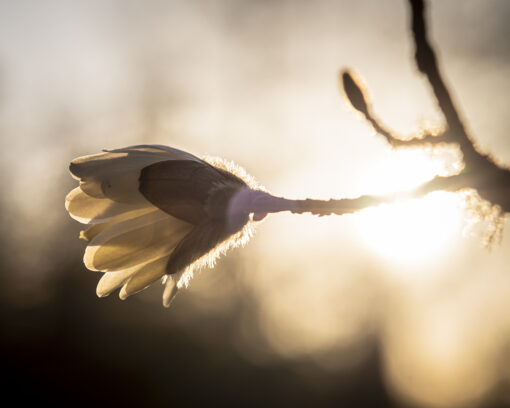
(410, 231)
(441, 360)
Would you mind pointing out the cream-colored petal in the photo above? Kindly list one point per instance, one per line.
(134, 241)
(121, 185)
(158, 149)
(170, 291)
(113, 280)
(84, 166)
(142, 278)
(92, 188)
(90, 210)
(90, 233)
(114, 174)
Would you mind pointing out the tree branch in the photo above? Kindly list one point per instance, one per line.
(481, 173)
(427, 64)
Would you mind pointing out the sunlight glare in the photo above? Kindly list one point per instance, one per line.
(415, 230)
(409, 231)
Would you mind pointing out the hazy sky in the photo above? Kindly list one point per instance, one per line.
(256, 82)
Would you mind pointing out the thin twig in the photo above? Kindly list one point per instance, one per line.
(481, 173)
(427, 64)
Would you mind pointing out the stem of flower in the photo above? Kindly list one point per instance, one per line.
(272, 204)
(266, 203)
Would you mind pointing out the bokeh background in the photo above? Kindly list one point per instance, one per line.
(314, 311)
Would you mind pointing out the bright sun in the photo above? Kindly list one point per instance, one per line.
(411, 231)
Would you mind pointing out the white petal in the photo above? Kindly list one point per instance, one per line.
(143, 277)
(90, 233)
(115, 174)
(155, 148)
(113, 280)
(134, 241)
(170, 291)
(90, 210)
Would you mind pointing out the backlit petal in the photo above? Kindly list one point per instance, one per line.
(142, 278)
(134, 241)
(114, 174)
(113, 280)
(170, 290)
(90, 210)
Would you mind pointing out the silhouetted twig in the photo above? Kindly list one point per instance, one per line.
(480, 173)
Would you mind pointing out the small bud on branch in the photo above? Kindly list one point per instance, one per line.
(355, 94)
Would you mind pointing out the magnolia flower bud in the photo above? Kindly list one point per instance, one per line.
(157, 212)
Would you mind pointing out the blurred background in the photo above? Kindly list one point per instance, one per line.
(395, 306)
